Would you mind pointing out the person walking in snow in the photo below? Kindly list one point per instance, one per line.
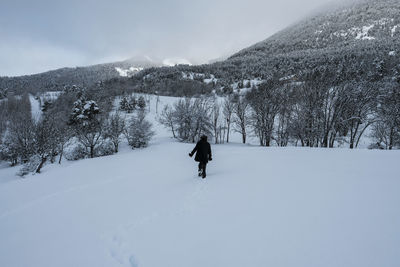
(203, 154)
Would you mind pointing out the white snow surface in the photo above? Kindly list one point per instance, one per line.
(36, 110)
(257, 207)
(128, 72)
(361, 33)
(393, 30)
(176, 61)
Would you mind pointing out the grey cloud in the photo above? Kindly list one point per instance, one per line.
(70, 33)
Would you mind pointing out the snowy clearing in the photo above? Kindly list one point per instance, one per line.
(257, 207)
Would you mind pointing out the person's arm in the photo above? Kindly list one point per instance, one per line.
(194, 150)
(209, 152)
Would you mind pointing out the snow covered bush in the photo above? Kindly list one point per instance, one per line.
(74, 151)
(31, 166)
(113, 129)
(141, 102)
(105, 148)
(138, 132)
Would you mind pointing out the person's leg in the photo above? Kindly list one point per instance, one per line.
(200, 171)
(204, 169)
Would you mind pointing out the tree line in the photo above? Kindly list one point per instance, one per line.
(317, 113)
(75, 125)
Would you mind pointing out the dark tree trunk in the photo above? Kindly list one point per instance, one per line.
(227, 134)
(41, 164)
(91, 151)
(325, 141)
(61, 154)
(116, 146)
(391, 138)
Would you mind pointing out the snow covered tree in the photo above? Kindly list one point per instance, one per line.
(141, 102)
(114, 128)
(215, 121)
(167, 119)
(3, 93)
(45, 139)
(188, 119)
(128, 104)
(387, 129)
(123, 103)
(228, 108)
(132, 103)
(241, 117)
(87, 123)
(138, 131)
(264, 102)
(19, 140)
(360, 111)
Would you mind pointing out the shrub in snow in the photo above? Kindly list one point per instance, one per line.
(31, 166)
(75, 151)
(105, 148)
(141, 102)
(377, 145)
(138, 133)
(113, 129)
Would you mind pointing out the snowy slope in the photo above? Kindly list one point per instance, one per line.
(257, 207)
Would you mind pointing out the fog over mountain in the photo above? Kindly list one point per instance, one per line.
(48, 34)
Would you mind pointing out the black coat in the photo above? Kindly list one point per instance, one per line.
(203, 151)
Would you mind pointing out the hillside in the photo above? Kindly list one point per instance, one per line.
(346, 26)
(354, 37)
(350, 44)
(55, 80)
(257, 207)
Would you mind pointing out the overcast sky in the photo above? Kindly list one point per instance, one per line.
(39, 35)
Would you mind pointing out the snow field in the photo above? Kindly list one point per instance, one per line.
(257, 207)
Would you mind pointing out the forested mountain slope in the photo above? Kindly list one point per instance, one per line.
(55, 80)
(353, 43)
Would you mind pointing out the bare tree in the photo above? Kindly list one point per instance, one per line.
(215, 120)
(45, 139)
(360, 111)
(228, 112)
(241, 117)
(188, 119)
(387, 130)
(113, 129)
(167, 118)
(264, 102)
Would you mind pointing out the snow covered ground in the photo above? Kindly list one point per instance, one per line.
(257, 207)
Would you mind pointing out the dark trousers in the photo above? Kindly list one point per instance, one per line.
(202, 168)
